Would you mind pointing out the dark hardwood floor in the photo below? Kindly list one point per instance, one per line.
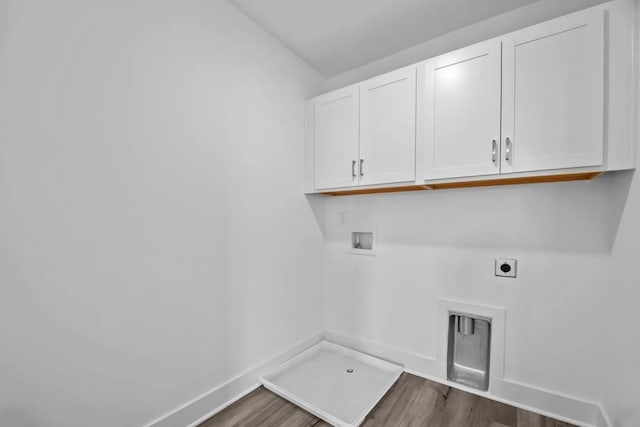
(411, 402)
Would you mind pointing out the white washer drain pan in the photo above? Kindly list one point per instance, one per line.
(334, 383)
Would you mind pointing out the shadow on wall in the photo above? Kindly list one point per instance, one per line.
(575, 217)
(316, 204)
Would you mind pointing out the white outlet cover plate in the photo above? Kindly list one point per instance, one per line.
(511, 263)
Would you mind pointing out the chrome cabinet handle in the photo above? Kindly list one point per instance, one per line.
(353, 168)
(508, 149)
(361, 167)
(494, 151)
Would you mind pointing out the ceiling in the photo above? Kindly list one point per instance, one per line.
(335, 36)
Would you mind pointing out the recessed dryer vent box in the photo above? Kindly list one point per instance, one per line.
(469, 348)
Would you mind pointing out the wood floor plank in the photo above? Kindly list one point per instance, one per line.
(411, 402)
(251, 410)
(529, 419)
(502, 413)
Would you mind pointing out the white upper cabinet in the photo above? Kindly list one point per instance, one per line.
(388, 128)
(552, 94)
(335, 138)
(459, 112)
(555, 100)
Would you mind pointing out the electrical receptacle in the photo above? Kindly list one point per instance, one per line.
(506, 267)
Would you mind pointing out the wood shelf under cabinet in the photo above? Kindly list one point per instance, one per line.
(583, 176)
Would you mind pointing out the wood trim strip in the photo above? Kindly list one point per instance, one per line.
(377, 190)
(583, 176)
(522, 180)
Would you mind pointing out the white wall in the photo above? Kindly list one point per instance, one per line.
(442, 244)
(621, 397)
(621, 387)
(154, 236)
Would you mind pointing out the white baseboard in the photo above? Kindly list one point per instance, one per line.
(556, 405)
(549, 403)
(213, 401)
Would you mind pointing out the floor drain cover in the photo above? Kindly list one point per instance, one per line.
(349, 371)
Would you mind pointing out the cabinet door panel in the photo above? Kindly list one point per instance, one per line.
(553, 89)
(336, 139)
(387, 134)
(460, 112)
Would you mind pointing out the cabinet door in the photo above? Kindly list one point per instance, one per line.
(387, 128)
(553, 89)
(335, 148)
(459, 112)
